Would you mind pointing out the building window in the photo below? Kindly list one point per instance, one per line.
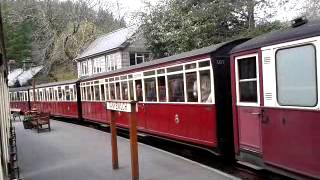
(297, 76)
(138, 58)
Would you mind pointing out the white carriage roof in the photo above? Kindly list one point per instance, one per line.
(24, 88)
(310, 29)
(109, 42)
(73, 81)
(184, 55)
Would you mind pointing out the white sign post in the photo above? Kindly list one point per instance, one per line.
(129, 107)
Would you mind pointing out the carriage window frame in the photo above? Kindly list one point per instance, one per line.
(316, 76)
(257, 80)
(144, 74)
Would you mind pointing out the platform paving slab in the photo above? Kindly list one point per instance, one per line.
(74, 152)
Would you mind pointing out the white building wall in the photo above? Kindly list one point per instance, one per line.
(104, 63)
(4, 125)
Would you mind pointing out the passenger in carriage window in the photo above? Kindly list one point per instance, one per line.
(150, 87)
(162, 89)
(192, 90)
(176, 88)
(205, 85)
(118, 91)
(139, 91)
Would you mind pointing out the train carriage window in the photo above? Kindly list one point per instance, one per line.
(131, 90)
(74, 92)
(192, 87)
(162, 89)
(297, 76)
(139, 91)
(204, 64)
(176, 88)
(31, 96)
(91, 93)
(161, 71)
(106, 91)
(102, 92)
(51, 94)
(112, 91)
(118, 91)
(40, 95)
(88, 94)
(63, 94)
(150, 89)
(125, 90)
(56, 94)
(47, 94)
(175, 68)
(71, 94)
(191, 66)
(67, 93)
(247, 76)
(205, 86)
(97, 92)
(59, 93)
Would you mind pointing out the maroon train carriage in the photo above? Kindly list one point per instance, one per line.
(59, 98)
(181, 97)
(19, 98)
(275, 93)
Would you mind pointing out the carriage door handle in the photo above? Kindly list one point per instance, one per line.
(256, 113)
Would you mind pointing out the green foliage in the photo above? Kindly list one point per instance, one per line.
(27, 118)
(51, 33)
(18, 40)
(175, 26)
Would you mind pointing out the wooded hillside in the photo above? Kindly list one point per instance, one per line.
(51, 33)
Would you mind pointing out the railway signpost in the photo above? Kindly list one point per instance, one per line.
(129, 107)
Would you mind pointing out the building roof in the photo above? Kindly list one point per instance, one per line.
(193, 53)
(310, 29)
(22, 76)
(109, 42)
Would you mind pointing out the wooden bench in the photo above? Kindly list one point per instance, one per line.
(41, 119)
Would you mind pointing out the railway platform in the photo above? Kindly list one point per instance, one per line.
(74, 152)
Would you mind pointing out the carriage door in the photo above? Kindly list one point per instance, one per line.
(248, 103)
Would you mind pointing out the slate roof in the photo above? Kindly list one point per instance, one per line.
(109, 42)
(310, 29)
